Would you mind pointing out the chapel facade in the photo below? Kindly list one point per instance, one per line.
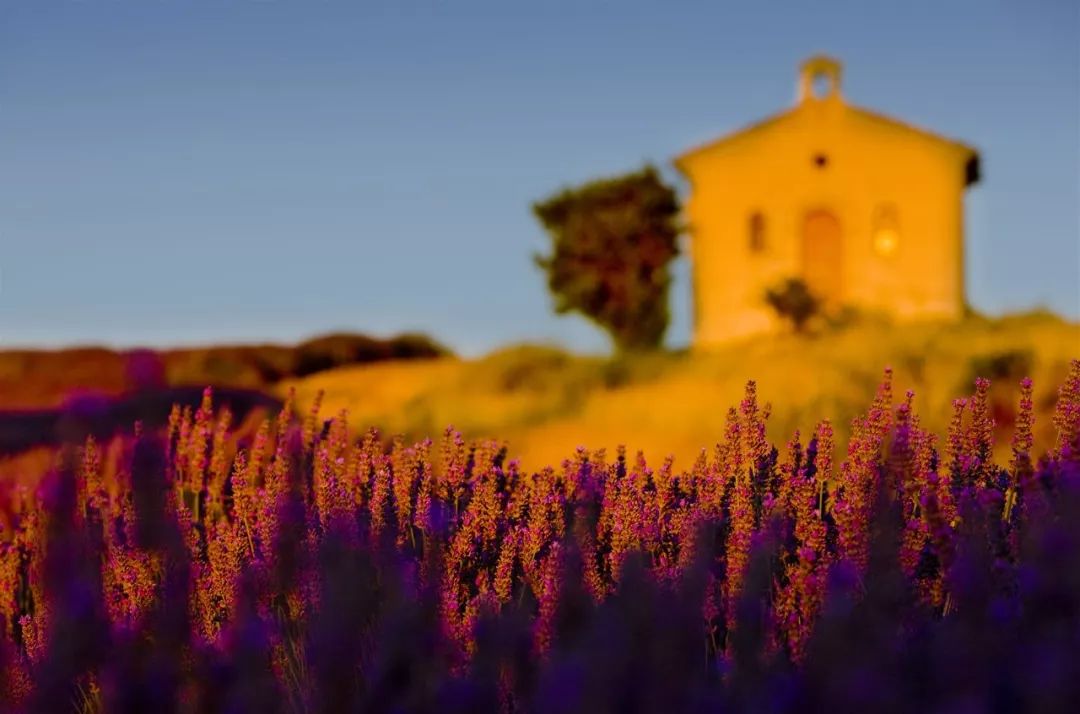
(866, 209)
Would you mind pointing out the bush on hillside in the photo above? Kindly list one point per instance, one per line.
(793, 302)
(336, 350)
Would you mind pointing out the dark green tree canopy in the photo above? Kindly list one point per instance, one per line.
(612, 241)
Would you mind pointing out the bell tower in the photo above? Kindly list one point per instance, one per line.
(819, 79)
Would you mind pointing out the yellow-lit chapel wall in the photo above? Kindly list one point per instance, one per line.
(871, 164)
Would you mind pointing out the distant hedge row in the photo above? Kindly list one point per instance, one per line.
(41, 378)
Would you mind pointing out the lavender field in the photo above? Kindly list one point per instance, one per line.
(300, 570)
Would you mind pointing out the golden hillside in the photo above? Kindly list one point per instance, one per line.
(544, 402)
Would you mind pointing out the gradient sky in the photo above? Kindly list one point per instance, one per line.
(176, 172)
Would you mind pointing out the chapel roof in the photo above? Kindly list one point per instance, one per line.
(811, 72)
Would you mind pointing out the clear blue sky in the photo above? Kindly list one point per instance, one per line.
(177, 171)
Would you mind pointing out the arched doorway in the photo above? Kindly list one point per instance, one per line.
(823, 256)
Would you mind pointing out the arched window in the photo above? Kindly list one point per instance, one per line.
(756, 232)
(886, 230)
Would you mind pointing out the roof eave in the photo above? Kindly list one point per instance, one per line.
(972, 168)
(680, 161)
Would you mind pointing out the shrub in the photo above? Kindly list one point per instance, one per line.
(1004, 365)
(336, 350)
(793, 302)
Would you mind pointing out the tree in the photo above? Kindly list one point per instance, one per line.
(793, 302)
(612, 242)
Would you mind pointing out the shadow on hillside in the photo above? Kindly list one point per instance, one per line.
(41, 379)
(104, 416)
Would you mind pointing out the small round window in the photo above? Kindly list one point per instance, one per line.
(886, 229)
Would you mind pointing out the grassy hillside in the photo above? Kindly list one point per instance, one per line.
(545, 402)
